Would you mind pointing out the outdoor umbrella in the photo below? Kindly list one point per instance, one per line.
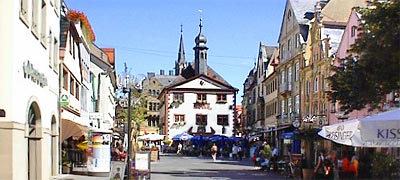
(217, 138)
(235, 139)
(378, 130)
(151, 137)
(182, 137)
(199, 138)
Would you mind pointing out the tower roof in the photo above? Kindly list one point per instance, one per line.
(201, 39)
(181, 52)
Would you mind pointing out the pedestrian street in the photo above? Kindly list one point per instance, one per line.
(174, 167)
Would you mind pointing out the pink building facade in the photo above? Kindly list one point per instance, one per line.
(349, 37)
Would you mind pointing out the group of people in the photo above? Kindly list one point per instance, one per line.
(265, 156)
(118, 153)
(328, 166)
(236, 151)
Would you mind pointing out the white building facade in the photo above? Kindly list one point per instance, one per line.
(199, 101)
(200, 106)
(29, 93)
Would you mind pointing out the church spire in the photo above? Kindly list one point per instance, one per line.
(181, 53)
(180, 64)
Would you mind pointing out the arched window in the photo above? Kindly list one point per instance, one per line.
(34, 141)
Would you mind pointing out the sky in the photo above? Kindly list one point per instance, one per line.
(145, 34)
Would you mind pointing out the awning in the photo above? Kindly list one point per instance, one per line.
(70, 128)
(277, 129)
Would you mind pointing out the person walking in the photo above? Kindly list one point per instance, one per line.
(240, 152)
(235, 152)
(329, 167)
(354, 167)
(214, 150)
(319, 170)
(274, 157)
(179, 149)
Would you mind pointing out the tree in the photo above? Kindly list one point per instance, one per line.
(138, 115)
(374, 69)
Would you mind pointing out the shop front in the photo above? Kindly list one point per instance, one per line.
(74, 146)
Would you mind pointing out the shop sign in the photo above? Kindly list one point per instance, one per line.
(64, 100)
(33, 74)
(287, 141)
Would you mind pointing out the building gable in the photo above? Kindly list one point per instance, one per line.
(202, 82)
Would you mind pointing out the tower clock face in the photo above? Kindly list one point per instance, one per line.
(296, 123)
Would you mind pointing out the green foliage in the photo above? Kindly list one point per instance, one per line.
(376, 72)
(385, 166)
(138, 109)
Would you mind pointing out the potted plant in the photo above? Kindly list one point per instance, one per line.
(66, 167)
(384, 166)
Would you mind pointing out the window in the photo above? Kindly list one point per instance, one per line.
(323, 109)
(150, 106)
(73, 49)
(179, 118)
(70, 42)
(65, 79)
(221, 97)
(56, 7)
(353, 31)
(289, 78)
(222, 120)
(72, 85)
(289, 45)
(43, 27)
(35, 18)
(23, 12)
(77, 90)
(297, 40)
(201, 119)
(282, 82)
(178, 97)
(316, 84)
(201, 98)
(297, 71)
(51, 51)
(297, 104)
(55, 54)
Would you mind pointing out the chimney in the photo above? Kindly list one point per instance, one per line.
(161, 72)
(171, 72)
(151, 74)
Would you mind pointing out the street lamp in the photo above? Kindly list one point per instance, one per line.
(128, 84)
(129, 156)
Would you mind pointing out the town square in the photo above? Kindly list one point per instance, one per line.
(123, 90)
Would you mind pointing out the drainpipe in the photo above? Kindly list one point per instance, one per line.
(60, 74)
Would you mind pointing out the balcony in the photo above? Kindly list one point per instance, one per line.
(285, 89)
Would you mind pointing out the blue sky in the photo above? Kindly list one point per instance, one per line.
(145, 34)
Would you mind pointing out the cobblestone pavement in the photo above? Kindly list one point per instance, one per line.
(178, 167)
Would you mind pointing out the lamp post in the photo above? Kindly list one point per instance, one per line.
(129, 156)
